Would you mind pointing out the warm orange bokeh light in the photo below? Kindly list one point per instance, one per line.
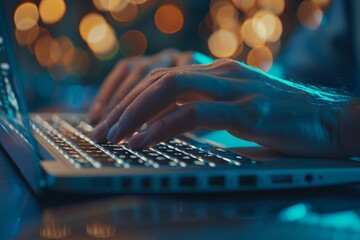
(102, 41)
(244, 5)
(77, 64)
(227, 16)
(250, 36)
(110, 5)
(137, 1)
(127, 14)
(275, 6)
(169, 19)
(310, 15)
(67, 49)
(267, 26)
(88, 22)
(260, 57)
(46, 51)
(26, 16)
(322, 3)
(27, 37)
(133, 43)
(223, 43)
(52, 11)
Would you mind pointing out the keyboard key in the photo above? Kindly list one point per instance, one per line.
(158, 158)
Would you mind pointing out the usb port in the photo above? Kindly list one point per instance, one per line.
(282, 179)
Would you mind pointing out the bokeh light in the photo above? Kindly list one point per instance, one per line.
(245, 30)
(110, 5)
(260, 57)
(226, 16)
(310, 15)
(27, 37)
(137, 1)
(126, 14)
(102, 41)
(322, 3)
(78, 63)
(250, 36)
(67, 49)
(26, 16)
(89, 22)
(223, 43)
(169, 19)
(52, 11)
(244, 5)
(267, 26)
(46, 51)
(133, 43)
(275, 6)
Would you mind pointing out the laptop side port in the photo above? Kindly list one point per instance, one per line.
(280, 179)
(248, 181)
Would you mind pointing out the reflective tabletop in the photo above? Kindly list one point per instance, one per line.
(326, 213)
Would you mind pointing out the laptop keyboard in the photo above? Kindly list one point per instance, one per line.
(73, 139)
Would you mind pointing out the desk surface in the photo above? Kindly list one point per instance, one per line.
(331, 213)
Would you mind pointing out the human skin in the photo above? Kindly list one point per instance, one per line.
(291, 118)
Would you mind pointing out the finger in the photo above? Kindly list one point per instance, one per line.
(107, 89)
(136, 75)
(186, 118)
(101, 130)
(161, 94)
(184, 59)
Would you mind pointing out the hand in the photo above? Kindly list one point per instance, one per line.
(127, 74)
(244, 101)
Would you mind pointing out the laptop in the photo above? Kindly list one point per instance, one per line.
(56, 152)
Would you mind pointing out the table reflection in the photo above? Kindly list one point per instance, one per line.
(303, 214)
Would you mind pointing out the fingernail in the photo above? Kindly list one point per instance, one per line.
(143, 127)
(99, 132)
(112, 133)
(138, 140)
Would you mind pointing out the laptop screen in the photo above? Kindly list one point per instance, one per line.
(16, 134)
(9, 104)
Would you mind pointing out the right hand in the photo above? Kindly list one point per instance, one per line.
(127, 74)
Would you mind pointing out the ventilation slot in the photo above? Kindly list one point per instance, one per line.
(126, 183)
(146, 183)
(217, 181)
(164, 182)
(187, 182)
(247, 181)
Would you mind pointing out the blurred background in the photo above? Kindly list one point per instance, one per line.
(65, 49)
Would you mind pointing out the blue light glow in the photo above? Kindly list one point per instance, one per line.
(200, 58)
(315, 91)
(294, 212)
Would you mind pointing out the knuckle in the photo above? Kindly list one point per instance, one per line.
(226, 62)
(169, 81)
(156, 72)
(117, 109)
(192, 111)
